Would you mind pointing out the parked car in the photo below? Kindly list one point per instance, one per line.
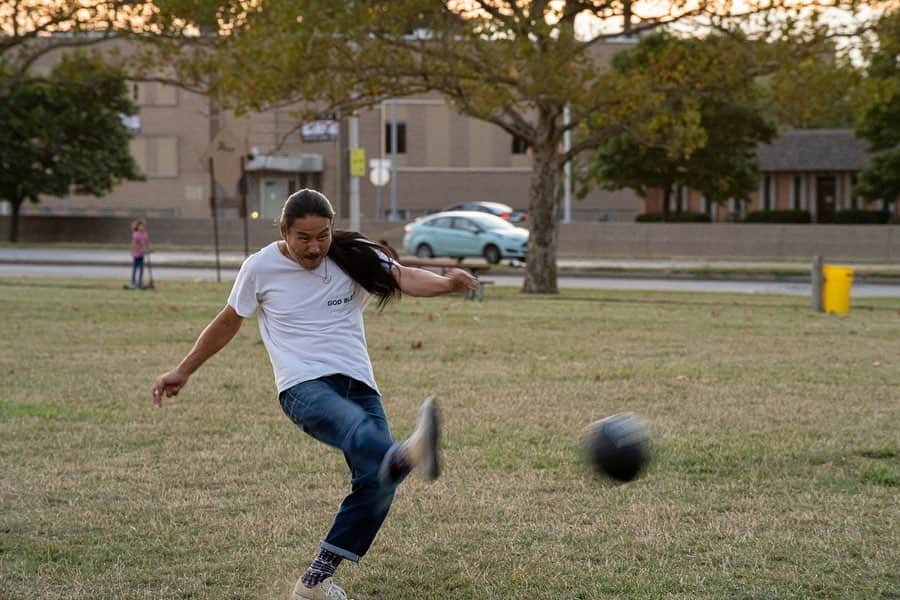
(504, 211)
(460, 234)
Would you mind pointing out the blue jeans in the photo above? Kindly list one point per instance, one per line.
(347, 414)
(137, 272)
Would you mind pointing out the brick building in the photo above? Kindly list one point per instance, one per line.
(803, 169)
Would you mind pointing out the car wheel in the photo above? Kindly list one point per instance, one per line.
(424, 251)
(492, 254)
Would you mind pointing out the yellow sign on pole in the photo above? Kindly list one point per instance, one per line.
(358, 162)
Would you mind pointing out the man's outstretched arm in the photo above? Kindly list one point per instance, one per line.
(214, 337)
(419, 282)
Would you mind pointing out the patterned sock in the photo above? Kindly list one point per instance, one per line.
(321, 568)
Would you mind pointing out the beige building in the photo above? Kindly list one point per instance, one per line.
(442, 157)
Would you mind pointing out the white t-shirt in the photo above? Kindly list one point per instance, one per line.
(310, 327)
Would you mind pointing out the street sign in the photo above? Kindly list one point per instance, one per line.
(380, 173)
(358, 162)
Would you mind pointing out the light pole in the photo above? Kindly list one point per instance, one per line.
(356, 156)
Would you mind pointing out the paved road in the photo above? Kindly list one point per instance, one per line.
(100, 256)
(123, 272)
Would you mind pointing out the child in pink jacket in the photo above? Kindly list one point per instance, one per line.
(139, 245)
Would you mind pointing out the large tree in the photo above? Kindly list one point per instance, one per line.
(819, 88)
(705, 136)
(64, 131)
(33, 30)
(514, 63)
(880, 118)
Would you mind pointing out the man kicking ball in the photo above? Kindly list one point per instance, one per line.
(311, 288)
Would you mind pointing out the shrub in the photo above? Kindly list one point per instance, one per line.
(779, 216)
(862, 217)
(673, 217)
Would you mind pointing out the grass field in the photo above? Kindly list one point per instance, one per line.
(776, 430)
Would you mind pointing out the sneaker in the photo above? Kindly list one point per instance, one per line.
(422, 445)
(327, 590)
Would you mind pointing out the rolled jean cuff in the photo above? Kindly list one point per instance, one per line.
(340, 551)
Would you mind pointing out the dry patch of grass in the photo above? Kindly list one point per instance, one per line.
(776, 475)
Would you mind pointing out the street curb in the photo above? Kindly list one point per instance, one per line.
(705, 275)
(123, 265)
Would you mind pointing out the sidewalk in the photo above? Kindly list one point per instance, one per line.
(568, 266)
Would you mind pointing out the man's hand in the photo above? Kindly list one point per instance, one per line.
(461, 280)
(216, 335)
(168, 384)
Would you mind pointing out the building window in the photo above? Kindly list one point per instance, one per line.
(767, 193)
(854, 199)
(166, 157)
(156, 156)
(796, 193)
(401, 138)
(519, 145)
(151, 93)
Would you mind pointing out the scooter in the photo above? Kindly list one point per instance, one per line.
(150, 285)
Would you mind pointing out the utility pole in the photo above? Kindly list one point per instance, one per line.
(215, 216)
(243, 189)
(567, 169)
(393, 215)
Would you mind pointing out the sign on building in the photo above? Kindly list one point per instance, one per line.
(323, 130)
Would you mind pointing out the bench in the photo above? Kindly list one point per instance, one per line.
(442, 265)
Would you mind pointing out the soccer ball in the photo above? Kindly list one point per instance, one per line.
(618, 446)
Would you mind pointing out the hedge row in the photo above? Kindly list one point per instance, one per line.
(864, 217)
(779, 216)
(843, 217)
(673, 217)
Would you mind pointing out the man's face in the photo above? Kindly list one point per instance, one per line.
(308, 240)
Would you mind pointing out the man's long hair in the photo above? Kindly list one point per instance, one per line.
(354, 253)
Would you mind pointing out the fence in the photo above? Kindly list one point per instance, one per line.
(613, 240)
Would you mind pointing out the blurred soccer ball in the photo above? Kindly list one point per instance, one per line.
(618, 446)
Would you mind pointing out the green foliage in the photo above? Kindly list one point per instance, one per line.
(704, 134)
(881, 179)
(862, 217)
(673, 217)
(879, 121)
(65, 131)
(779, 216)
(816, 88)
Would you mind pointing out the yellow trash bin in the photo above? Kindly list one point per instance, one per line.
(836, 288)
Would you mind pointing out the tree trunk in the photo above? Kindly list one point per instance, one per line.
(543, 209)
(14, 220)
(667, 195)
